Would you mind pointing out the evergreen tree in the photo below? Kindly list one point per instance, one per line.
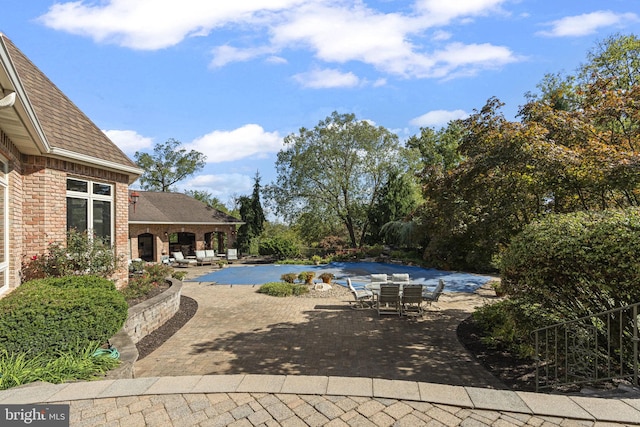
(253, 216)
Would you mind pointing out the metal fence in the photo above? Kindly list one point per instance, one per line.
(592, 349)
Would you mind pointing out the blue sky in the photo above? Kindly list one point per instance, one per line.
(232, 79)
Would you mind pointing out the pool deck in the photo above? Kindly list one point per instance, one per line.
(247, 359)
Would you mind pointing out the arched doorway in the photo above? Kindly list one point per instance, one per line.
(216, 240)
(183, 242)
(145, 247)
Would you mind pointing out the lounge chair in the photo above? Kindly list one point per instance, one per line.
(210, 253)
(412, 300)
(431, 297)
(182, 261)
(389, 299)
(363, 297)
(202, 258)
(232, 254)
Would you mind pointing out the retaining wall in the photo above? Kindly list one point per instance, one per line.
(143, 319)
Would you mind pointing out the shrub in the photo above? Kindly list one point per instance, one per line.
(152, 276)
(508, 324)
(326, 277)
(279, 247)
(82, 255)
(179, 275)
(578, 263)
(289, 277)
(280, 289)
(306, 276)
(54, 315)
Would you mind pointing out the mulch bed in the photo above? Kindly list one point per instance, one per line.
(188, 308)
(515, 372)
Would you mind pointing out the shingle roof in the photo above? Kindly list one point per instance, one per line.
(175, 208)
(64, 125)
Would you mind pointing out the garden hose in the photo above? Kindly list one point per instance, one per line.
(112, 352)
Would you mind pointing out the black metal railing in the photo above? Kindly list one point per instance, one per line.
(592, 349)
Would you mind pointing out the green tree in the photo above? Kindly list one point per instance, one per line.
(336, 171)
(615, 58)
(398, 199)
(168, 165)
(252, 215)
(208, 199)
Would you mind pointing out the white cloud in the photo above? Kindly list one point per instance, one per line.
(223, 55)
(334, 31)
(327, 78)
(221, 186)
(588, 23)
(129, 141)
(438, 118)
(247, 141)
(154, 24)
(442, 12)
(458, 59)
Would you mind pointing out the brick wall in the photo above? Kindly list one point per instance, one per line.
(38, 209)
(161, 240)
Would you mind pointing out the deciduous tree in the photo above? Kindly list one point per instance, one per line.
(168, 165)
(335, 170)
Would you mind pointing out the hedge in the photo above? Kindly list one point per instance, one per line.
(578, 263)
(49, 316)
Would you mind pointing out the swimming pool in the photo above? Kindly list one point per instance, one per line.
(358, 272)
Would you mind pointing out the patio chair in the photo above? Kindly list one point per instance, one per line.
(400, 278)
(379, 278)
(375, 281)
(389, 299)
(412, 300)
(232, 254)
(182, 261)
(202, 258)
(210, 253)
(363, 297)
(431, 297)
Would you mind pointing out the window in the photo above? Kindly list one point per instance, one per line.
(90, 207)
(4, 227)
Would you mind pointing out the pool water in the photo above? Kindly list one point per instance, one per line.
(358, 272)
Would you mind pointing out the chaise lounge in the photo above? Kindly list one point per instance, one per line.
(182, 261)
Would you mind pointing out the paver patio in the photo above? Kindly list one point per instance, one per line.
(239, 331)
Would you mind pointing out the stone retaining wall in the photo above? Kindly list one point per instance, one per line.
(143, 319)
(149, 315)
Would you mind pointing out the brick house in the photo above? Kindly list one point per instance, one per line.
(161, 223)
(58, 170)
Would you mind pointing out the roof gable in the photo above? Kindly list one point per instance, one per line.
(61, 128)
(175, 208)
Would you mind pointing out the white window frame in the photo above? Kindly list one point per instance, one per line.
(90, 197)
(4, 228)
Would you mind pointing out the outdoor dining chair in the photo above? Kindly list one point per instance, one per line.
(412, 300)
(389, 299)
(431, 297)
(363, 297)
